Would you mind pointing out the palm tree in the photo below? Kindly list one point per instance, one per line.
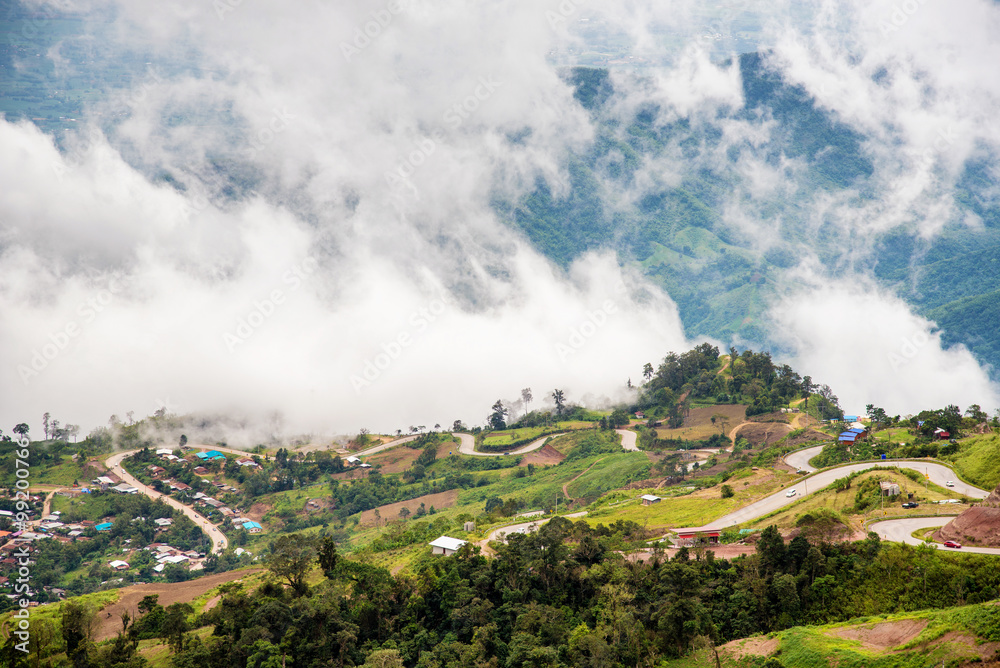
(560, 398)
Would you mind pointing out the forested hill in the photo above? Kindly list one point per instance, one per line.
(716, 271)
(558, 597)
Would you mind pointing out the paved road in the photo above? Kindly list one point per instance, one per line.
(468, 446)
(629, 440)
(526, 527)
(219, 541)
(386, 446)
(900, 531)
(938, 474)
(799, 460)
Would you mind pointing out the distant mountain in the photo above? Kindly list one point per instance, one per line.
(722, 276)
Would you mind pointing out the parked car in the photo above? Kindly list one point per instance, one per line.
(950, 483)
(910, 504)
(790, 493)
(951, 543)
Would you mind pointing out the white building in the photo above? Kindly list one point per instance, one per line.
(446, 546)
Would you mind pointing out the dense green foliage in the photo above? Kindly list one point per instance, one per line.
(562, 597)
(748, 377)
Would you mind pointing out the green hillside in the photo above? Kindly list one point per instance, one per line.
(957, 636)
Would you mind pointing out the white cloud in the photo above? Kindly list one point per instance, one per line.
(378, 158)
(872, 349)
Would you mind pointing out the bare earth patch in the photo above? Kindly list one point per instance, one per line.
(764, 433)
(109, 620)
(730, 551)
(396, 460)
(885, 635)
(757, 646)
(546, 456)
(257, 511)
(391, 511)
(698, 423)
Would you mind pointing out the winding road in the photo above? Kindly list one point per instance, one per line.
(629, 440)
(937, 473)
(900, 531)
(219, 541)
(526, 527)
(467, 446)
(799, 460)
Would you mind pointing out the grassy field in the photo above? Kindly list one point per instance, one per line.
(84, 506)
(977, 460)
(65, 474)
(612, 472)
(509, 436)
(684, 507)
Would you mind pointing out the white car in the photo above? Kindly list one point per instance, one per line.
(950, 483)
(790, 493)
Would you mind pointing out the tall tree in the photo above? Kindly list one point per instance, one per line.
(21, 429)
(647, 371)
(498, 416)
(526, 398)
(807, 388)
(560, 398)
(45, 425)
(290, 559)
(175, 625)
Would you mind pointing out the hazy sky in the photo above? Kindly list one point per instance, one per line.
(354, 274)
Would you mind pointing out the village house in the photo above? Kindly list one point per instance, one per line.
(649, 499)
(446, 545)
(253, 527)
